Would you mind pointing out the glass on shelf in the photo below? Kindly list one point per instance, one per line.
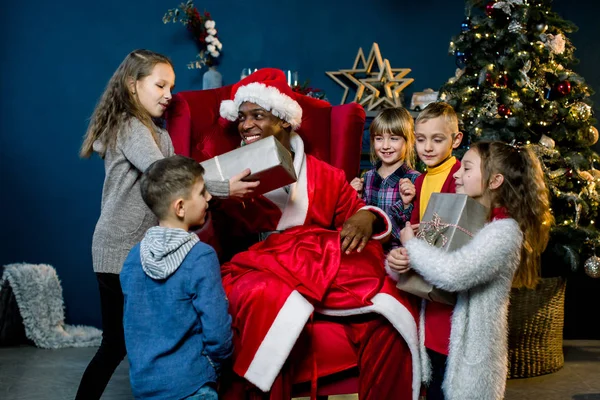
(246, 72)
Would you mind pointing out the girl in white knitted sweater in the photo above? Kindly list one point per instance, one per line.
(504, 254)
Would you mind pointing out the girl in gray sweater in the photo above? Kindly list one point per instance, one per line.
(504, 254)
(123, 130)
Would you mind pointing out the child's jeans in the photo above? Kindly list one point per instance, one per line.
(206, 392)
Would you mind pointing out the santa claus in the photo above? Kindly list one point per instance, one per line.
(312, 298)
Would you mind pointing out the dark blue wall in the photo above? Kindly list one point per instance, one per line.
(57, 59)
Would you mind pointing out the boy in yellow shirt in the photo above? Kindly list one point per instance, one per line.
(436, 135)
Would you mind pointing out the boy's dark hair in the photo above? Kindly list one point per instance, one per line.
(166, 179)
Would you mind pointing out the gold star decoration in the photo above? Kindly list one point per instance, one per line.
(378, 85)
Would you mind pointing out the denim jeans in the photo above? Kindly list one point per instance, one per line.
(206, 392)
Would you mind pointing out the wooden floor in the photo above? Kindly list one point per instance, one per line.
(29, 373)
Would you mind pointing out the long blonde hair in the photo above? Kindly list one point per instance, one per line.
(395, 121)
(525, 196)
(118, 103)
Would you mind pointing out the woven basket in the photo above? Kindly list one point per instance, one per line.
(535, 329)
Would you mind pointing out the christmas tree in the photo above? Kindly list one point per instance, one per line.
(513, 83)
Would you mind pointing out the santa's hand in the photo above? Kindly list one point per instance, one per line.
(239, 188)
(357, 184)
(357, 231)
(398, 260)
(407, 233)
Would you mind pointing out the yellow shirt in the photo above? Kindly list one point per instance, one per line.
(433, 182)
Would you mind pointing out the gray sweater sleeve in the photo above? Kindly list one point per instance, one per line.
(138, 145)
(477, 262)
(141, 150)
(218, 188)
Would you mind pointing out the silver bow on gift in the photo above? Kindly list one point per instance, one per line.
(431, 231)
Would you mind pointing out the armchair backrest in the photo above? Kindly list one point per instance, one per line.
(331, 133)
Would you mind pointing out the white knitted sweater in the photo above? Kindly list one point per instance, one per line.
(481, 272)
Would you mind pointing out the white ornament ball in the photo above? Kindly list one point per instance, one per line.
(547, 142)
(592, 267)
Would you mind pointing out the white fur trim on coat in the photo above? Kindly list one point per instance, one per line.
(278, 342)
(269, 98)
(386, 219)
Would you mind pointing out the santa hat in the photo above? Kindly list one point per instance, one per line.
(269, 89)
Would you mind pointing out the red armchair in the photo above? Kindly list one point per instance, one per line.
(331, 133)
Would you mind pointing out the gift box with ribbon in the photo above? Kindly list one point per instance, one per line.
(269, 162)
(449, 222)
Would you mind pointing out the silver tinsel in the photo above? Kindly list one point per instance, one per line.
(592, 267)
(515, 27)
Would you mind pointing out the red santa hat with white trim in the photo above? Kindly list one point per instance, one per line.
(269, 89)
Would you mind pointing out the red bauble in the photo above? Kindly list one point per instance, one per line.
(489, 78)
(564, 87)
(503, 81)
(504, 111)
(489, 8)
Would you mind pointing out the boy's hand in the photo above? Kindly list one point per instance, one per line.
(239, 188)
(357, 184)
(407, 233)
(407, 191)
(398, 260)
(357, 231)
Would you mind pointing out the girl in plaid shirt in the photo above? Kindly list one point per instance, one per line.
(390, 184)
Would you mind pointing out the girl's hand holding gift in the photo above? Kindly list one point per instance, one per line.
(398, 260)
(407, 233)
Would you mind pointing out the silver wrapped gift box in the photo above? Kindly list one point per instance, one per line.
(269, 162)
(450, 221)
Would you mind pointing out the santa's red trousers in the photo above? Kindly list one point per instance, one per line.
(326, 346)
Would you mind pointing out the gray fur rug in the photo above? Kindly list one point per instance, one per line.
(39, 297)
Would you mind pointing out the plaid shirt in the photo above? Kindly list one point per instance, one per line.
(385, 194)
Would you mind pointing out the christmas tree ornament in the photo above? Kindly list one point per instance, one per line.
(569, 173)
(461, 59)
(503, 110)
(592, 267)
(585, 175)
(503, 81)
(592, 136)
(595, 173)
(557, 173)
(489, 8)
(547, 142)
(564, 88)
(581, 110)
(466, 25)
(541, 27)
(548, 93)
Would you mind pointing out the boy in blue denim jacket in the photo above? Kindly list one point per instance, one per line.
(177, 328)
